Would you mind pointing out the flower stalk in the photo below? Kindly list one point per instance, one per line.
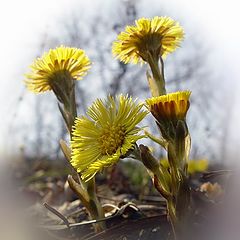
(58, 70)
(157, 81)
(170, 112)
(171, 182)
(86, 191)
(65, 94)
(149, 41)
(90, 200)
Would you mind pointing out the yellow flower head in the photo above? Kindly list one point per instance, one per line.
(157, 37)
(173, 106)
(107, 134)
(56, 65)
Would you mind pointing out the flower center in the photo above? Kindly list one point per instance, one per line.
(111, 139)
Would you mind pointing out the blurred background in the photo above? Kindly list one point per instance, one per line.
(206, 64)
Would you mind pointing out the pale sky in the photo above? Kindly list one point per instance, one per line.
(23, 22)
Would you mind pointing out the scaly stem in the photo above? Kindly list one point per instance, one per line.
(178, 204)
(157, 84)
(95, 207)
(172, 216)
(85, 190)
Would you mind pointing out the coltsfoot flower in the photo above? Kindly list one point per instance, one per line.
(172, 106)
(157, 37)
(55, 66)
(107, 134)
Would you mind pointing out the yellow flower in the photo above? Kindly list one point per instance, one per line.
(173, 106)
(158, 37)
(55, 66)
(107, 134)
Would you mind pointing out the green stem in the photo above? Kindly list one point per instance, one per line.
(95, 207)
(178, 205)
(172, 159)
(162, 71)
(172, 216)
(158, 76)
(71, 111)
(85, 190)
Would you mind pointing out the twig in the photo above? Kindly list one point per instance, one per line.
(69, 225)
(54, 211)
(62, 227)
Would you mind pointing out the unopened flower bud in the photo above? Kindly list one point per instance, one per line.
(148, 160)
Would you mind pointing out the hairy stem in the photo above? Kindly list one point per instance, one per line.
(86, 191)
(158, 76)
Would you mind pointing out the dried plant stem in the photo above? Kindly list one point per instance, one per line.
(57, 213)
